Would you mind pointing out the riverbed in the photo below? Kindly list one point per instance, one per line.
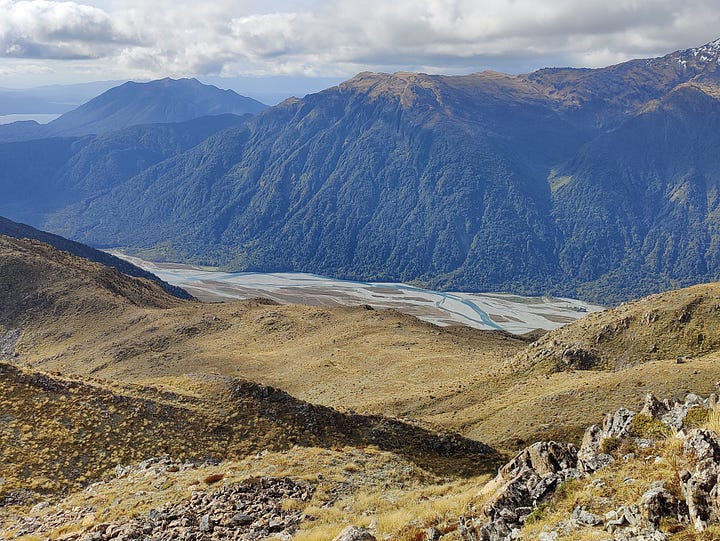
(499, 311)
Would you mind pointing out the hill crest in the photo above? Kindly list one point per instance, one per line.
(9, 228)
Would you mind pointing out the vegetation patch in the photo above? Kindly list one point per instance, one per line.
(696, 418)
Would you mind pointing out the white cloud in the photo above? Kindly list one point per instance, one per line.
(49, 29)
(341, 37)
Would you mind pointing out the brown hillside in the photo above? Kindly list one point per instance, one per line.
(37, 280)
(376, 362)
(62, 433)
(679, 323)
(73, 317)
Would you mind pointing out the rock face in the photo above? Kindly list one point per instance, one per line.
(700, 486)
(657, 503)
(615, 425)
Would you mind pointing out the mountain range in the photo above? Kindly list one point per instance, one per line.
(130, 411)
(594, 183)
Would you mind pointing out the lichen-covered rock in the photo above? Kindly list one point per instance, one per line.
(618, 424)
(353, 533)
(657, 503)
(590, 459)
(700, 486)
(653, 407)
(615, 425)
(520, 485)
(585, 518)
(701, 445)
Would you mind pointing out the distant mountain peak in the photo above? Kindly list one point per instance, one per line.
(159, 101)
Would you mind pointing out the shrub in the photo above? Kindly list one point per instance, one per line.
(618, 446)
(610, 445)
(644, 426)
(537, 514)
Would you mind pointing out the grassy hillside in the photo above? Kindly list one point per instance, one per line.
(680, 323)
(482, 384)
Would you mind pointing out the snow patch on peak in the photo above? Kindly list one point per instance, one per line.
(705, 54)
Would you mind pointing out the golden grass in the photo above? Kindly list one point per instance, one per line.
(676, 324)
(713, 421)
(63, 434)
(358, 359)
(394, 512)
(383, 362)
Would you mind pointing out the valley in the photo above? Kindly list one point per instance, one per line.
(93, 358)
(305, 341)
(594, 184)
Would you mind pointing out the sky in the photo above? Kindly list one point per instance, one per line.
(312, 42)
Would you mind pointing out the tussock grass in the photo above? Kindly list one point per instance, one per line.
(395, 512)
(712, 422)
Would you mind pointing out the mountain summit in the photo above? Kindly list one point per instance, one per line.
(162, 101)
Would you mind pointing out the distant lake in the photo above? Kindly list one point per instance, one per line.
(41, 118)
(492, 311)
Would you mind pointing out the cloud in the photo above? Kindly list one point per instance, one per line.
(342, 37)
(44, 29)
(24, 68)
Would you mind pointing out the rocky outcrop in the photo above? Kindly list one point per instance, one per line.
(518, 488)
(535, 473)
(615, 425)
(657, 503)
(700, 484)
